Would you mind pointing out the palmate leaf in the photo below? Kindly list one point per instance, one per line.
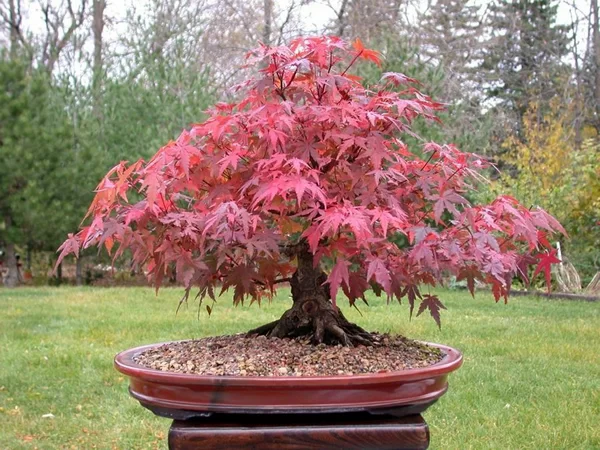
(523, 263)
(339, 276)
(70, 246)
(307, 155)
(470, 274)
(433, 304)
(411, 292)
(379, 273)
(545, 265)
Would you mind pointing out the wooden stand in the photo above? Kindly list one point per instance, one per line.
(299, 431)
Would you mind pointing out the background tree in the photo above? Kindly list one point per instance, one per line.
(98, 23)
(523, 55)
(548, 172)
(35, 140)
(449, 35)
(370, 21)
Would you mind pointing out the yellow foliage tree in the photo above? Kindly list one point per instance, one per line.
(548, 169)
(538, 157)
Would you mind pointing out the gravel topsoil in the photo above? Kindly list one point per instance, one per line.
(260, 356)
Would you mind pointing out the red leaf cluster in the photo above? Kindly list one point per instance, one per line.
(310, 154)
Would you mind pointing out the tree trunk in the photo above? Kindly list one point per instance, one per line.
(12, 278)
(313, 313)
(79, 271)
(98, 69)
(579, 101)
(59, 274)
(28, 258)
(268, 13)
(596, 44)
(341, 18)
(14, 19)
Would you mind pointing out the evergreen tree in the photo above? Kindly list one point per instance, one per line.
(449, 36)
(462, 123)
(449, 39)
(140, 115)
(35, 166)
(523, 55)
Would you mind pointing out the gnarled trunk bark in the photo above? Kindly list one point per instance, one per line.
(313, 313)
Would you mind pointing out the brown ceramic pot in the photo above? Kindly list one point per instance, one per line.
(184, 396)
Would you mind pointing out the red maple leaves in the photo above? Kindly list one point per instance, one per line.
(308, 153)
(545, 265)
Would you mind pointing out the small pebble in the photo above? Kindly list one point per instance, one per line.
(239, 355)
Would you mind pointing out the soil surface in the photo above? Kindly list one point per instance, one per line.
(260, 356)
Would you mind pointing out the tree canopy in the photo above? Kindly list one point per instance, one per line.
(309, 157)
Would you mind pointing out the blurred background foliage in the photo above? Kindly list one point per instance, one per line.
(87, 84)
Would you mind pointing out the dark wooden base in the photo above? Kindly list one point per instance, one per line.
(300, 431)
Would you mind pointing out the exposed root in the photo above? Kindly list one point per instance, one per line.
(327, 328)
(263, 329)
(313, 313)
(339, 334)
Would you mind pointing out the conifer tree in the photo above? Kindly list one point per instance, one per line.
(523, 53)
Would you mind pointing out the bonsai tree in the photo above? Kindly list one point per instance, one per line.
(307, 179)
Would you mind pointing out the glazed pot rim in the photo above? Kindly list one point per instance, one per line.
(124, 363)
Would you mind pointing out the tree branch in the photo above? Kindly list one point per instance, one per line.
(282, 280)
(291, 250)
(54, 43)
(285, 22)
(13, 19)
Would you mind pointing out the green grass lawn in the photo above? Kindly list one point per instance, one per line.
(530, 379)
